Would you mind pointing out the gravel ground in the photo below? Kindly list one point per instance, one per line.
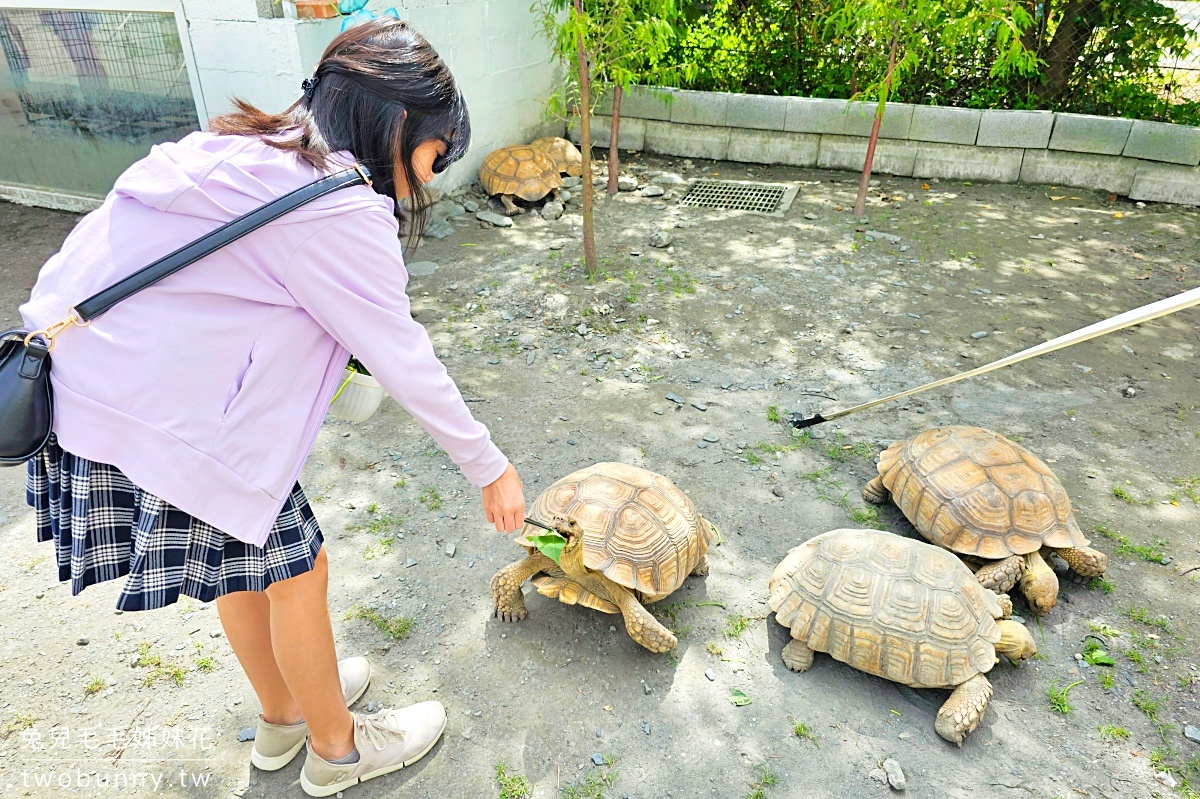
(739, 313)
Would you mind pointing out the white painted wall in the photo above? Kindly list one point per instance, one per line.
(494, 48)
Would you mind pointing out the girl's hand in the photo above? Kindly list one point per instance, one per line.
(504, 502)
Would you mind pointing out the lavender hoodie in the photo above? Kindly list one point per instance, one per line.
(208, 389)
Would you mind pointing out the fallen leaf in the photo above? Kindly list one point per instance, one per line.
(1058, 197)
(924, 187)
(840, 208)
(1074, 198)
(740, 699)
(1118, 215)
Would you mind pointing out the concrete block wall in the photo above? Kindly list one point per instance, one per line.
(1149, 161)
(494, 47)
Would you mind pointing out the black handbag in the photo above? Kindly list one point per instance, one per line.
(26, 398)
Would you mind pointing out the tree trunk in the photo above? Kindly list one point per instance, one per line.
(860, 202)
(591, 262)
(614, 159)
(1071, 37)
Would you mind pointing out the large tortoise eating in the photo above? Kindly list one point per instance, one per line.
(983, 496)
(566, 156)
(899, 609)
(632, 539)
(519, 171)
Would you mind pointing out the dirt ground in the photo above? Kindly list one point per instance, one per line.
(742, 314)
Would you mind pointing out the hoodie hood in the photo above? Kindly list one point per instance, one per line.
(218, 177)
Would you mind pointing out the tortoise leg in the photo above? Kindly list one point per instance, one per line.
(702, 567)
(510, 208)
(1005, 606)
(1001, 575)
(506, 585)
(964, 709)
(1085, 561)
(1039, 584)
(639, 623)
(875, 492)
(797, 656)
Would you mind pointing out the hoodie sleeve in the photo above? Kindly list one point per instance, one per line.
(350, 277)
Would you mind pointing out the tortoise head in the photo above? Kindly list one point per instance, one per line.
(1015, 641)
(571, 559)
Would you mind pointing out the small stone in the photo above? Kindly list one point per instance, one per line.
(556, 245)
(421, 268)
(646, 728)
(675, 398)
(979, 334)
(446, 208)
(646, 688)
(660, 239)
(598, 759)
(712, 438)
(215, 634)
(571, 181)
(572, 442)
(700, 406)
(658, 411)
(450, 550)
(810, 215)
(777, 491)
(495, 220)
(82, 642)
(817, 435)
(493, 361)
(552, 210)
(626, 183)
(246, 734)
(408, 564)
(439, 229)
(888, 237)
(1165, 778)
(667, 179)
(1192, 733)
(702, 445)
(565, 196)
(879, 775)
(470, 206)
(895, 776)
(653, 190)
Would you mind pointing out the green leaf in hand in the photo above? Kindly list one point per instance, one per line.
(551, 545)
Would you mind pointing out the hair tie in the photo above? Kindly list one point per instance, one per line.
(308, 85)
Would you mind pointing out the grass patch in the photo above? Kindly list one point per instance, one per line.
(1129, 499)
(1142, 614)
(867, 517)
(840, 449)
(1152, 553)
(430, 498)
(512, 786)
(1189, 488)
(395, 628)
(377, 523)
(713, 649)
(805, 733)
(594, 785)
(1100, 628)
(401, 483)
(1142, 701)
(766, 779)
(736, 625)
(1111, 733)
(94, 687)
(1101, 584)
(773, 413)
(1057, 696)
(1107, 681)
(668, 614)
(204, 663)
(20, 721)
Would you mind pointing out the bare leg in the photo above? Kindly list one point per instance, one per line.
(964, 709)
(1005, 606)
(1001, 575)
(246, 619)
(506, 585)
(302, 639)
(639, 623)
(875, 492)
(510, 208)
(797, 656)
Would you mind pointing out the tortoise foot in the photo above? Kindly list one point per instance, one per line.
(964, 709)
(797, 656)
(1085, 561)
(875, 492)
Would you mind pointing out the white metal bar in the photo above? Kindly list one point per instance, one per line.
(151, 6)
(189, 58)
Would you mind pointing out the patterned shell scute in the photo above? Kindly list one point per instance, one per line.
(977, 493)
(521, 170)
(566, 156)
(889, 606)
(640, 530)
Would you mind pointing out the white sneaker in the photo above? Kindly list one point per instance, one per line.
(275, 745)
(386, 741)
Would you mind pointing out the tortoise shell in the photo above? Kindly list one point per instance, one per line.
(520, 170)
(566, 156)
(640, 531)
(977, 493)
(887, 605)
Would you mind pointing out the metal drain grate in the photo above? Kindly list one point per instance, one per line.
(740, 195)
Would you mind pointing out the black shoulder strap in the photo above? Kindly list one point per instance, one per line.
(232, 231)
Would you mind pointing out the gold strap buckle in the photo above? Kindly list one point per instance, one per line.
(359, 169)
(57, 329)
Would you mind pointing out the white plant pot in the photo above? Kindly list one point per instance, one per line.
(359, 397)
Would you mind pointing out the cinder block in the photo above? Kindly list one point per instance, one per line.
(960, 162)
(773, 147)
(945, 125)
(892, 156)
(757, 111)
(648, 102)
(817, 115)
(1000, 128)
(1159, 141)
(688, 141)
(700, 108)
(1089, 171)
(1080, 133)
(1166, 183)
(631, 134)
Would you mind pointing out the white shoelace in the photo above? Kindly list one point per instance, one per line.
(379, 729)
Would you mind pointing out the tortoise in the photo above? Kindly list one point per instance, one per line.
(900, 609)
(521, 171)
(983, 496)
(566, 156)
(632, 539)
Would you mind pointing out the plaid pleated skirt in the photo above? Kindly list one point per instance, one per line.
(104, 527)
